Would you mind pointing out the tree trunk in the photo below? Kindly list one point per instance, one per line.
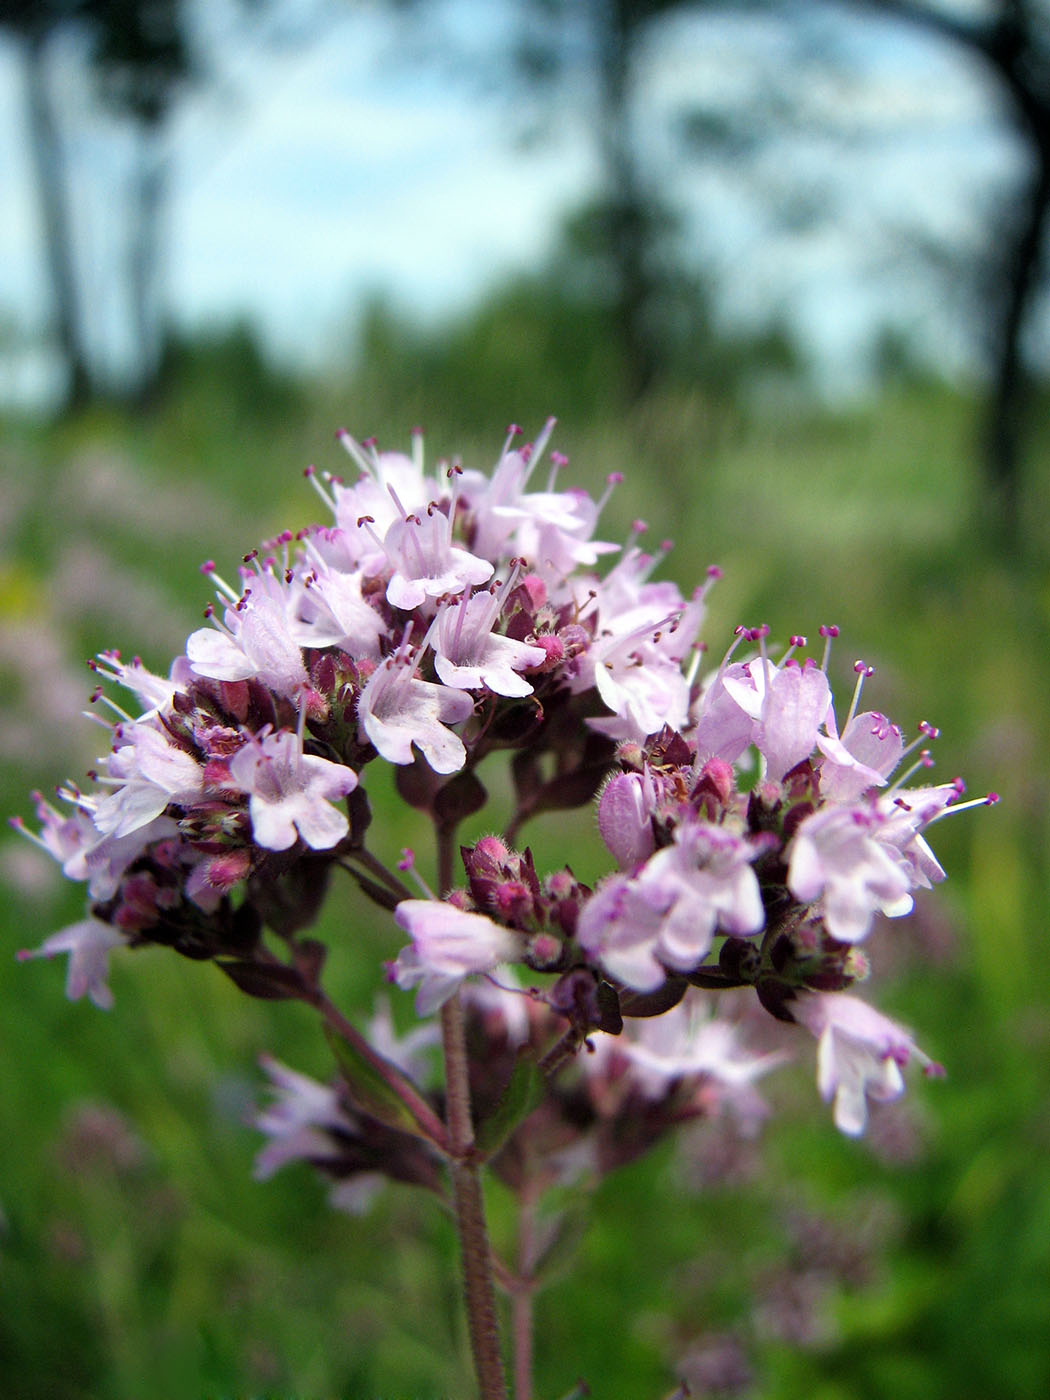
(1020, 272)
(145, 262)
(57, 234)
(626, 212)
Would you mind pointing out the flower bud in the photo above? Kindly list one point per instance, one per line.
(624, 819)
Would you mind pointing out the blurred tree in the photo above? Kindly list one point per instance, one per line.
(625, 240)
(141, 55)
(144, 56)
(1011, 41)
(598, 46)
(35, 25)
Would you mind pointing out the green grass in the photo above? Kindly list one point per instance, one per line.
(170, 1273)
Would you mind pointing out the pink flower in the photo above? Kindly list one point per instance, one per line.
(691, 1039)
(254, 640)
(864, 756)
(328, 609)
(787, 705)
(448, 944)
(841, 855)
(152, 773)
(88, 944)
(860, 1054)
(300, 1121)
(666, 916)
(396, 711)
(469, 655)
(425, 561)
(291, 792)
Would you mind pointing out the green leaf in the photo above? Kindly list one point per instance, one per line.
(370, 1089)
(524, 1092)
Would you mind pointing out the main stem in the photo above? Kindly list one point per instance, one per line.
(466, 1180)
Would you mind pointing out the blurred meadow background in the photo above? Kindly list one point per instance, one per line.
(783, 265)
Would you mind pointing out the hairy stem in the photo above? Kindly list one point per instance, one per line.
(479, 1293)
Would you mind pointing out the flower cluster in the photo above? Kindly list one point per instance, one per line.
(723, 883)
(437, 617)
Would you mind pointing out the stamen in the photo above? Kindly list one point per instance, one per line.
(312, 477)
(532, 452)
(863, 672)
(368, 464)
(407, 866)
(988, 800)
(714, 573)
(613, 480)
(558, 460)
(222, 588)
(794, 642)
(926, 731)
(829, 632)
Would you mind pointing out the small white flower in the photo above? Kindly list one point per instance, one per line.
(152, 772)
(254, 641)
(692, 1039)
(666, 915)
(291, 792)
(469, 655)
(328, 609)
(448, 944)
(396, 711)
(298, 1121)
(426, 563)
(840, 854)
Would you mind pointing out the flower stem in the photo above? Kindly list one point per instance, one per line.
(470, 1210)
(479, 1293)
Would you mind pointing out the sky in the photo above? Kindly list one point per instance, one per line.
(318, 170)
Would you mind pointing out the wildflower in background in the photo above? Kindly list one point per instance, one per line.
(88, 944)
(693, 1039)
